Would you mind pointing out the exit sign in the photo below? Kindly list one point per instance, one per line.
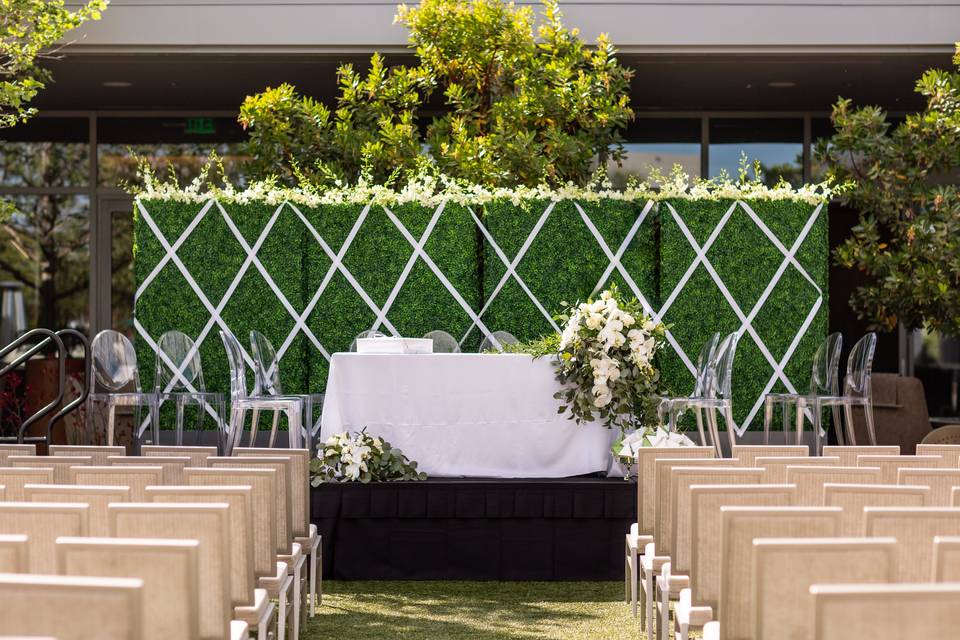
(202, 126)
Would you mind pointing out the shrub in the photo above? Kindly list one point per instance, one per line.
(524, 105)
(904, 182)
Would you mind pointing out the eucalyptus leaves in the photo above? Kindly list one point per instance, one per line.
(606, 363)
(361, 458)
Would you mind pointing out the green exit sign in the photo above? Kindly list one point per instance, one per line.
(202, 126)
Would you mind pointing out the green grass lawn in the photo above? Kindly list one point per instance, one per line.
(475, 610)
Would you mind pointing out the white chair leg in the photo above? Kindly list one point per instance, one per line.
(648, 596)
(768, 418)
(664, 630)
(313, 580)
(626, 571)
(296, 600)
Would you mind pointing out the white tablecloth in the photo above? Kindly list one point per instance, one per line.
(476, 415)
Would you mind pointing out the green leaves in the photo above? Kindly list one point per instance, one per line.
(361, 458)
(523, 105)
(29, 32)
(904, 182)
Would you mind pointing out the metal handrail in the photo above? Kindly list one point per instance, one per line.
(80, 399)
(23, 357)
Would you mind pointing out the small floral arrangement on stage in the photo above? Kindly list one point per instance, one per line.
(606, 363)
(361, 458)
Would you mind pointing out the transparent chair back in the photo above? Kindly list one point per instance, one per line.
(267, 365)
(720, 382)
(443, 342)
(113, 367)
(184, 357)
(113, 361)
(497, 341)
(366, 334)
(825, 377)
(241, 402)
(707, 352)
(238, 378)
(856, 383)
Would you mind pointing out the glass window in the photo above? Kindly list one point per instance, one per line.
(776, 142)
(46, 152)
(660, 143)
(46, 247)
(182, 143)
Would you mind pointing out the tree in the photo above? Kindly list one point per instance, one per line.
(521, 105)
(45, 242)
(371, 129)
(904, 181)
(29, 32)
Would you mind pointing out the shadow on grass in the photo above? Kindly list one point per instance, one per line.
(475, 610)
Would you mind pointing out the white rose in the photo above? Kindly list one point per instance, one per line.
(595, 321)
(627, 319)
(649, 326)
(606, 295)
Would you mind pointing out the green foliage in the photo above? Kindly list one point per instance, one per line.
(904, 182)
(371, 131)
(548, 345)
(565, 262)
(746, 261)
(526, 105)
(28, 31)
(361, 458)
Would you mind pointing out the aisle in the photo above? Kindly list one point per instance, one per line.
(473, 610)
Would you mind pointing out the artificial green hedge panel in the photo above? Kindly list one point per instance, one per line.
(213, 256)
(564, 261)
(377, 257)
(746, 261)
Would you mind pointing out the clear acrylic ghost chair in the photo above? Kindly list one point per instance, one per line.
(824, 381)
(857, 392)
(115, 382)
(366, 334)
(719, 391)
(179, 377)
(241, 402)
(267, 383)
(443, 342)
(672, 408)
(497, 340)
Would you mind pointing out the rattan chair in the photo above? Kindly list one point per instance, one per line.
(14, 480)
(97, 497)
(890, 465)
(776, 466)
(852, 498)
(810, 480)
(172, 466)
(949, 452)
(747, 454)
(60, 464)
(198, 455)
(99, 454)
(135, 477)
(42, 523)
(168, 568)
(848, 454)
(7, 450)
(72, 608)
(914, 528)
(940, 481)
(13, 553)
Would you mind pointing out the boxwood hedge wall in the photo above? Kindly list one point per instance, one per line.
(746, 261)
(563, 262)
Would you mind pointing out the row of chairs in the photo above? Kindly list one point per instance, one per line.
(702, 519)
(713, 393)
(115, 382)
(240, 528)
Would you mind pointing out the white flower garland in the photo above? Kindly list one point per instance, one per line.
(430, 191)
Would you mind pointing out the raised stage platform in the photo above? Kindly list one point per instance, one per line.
(475, 529)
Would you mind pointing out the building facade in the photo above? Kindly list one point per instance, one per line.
(714, 80)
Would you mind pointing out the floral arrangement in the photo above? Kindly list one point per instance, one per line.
(430, 188)
(361, 458)
(606, 363)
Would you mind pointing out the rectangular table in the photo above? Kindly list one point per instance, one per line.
(464, 415)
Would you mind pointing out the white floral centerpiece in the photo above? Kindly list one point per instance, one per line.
(607, 364)
(361, 458)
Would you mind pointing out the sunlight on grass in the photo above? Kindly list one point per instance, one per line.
(475, 610)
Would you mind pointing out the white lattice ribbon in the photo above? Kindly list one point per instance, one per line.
(511, 266)
(746, 320)
(615, 263)
(418, 252)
